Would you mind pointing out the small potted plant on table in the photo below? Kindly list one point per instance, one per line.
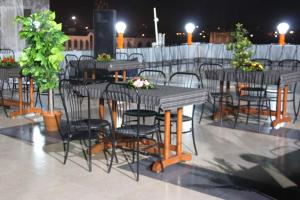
(42, 57)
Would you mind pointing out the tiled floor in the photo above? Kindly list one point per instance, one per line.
(232, 164)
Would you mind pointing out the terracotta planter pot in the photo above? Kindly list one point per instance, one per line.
(52, 120)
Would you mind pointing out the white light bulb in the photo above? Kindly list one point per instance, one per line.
(283, 28)
(190, 27)
(120, 27)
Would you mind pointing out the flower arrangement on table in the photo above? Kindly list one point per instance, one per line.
(103, 57)
(253, 66)
(7, 61)
(140, 82)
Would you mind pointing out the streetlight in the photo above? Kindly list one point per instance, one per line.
(282, 29)
(120, 27)
(190, 27)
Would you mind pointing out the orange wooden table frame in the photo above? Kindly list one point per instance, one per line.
(22, 110)
(280, 114)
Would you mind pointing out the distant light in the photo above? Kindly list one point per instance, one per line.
(204, 36)
(190, 27)
(292, 32)
(143, 35)
(73, 17)
(86, 27)
(120, 27)
(276, 36)
(197, 26)
(283, 28)
(183, 33)
(200, 33)
(203, 31)
(219, 28)
(276, 32)
(251, 35)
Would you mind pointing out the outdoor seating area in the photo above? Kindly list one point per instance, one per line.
(90, 116)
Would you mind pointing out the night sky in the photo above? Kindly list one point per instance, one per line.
(260, 17)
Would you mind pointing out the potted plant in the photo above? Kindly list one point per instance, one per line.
(42, 57)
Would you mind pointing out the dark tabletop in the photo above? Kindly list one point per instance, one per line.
(165, 97)
(112, 66)
(9, 72)
(273, 77)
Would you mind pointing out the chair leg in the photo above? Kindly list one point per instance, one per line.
(270, 113)
(138, 161)
(248, 112)
(258, 115)
(202, 111)
(194, 141)
(66, 152)
(237, 114)
(83, 151)
(296, 117)
(113, 154)
(90, 155)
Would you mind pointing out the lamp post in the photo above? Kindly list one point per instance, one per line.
(282, 29)
(190, 27)
(120, 27)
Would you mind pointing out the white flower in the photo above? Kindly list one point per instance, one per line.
(37, 25)
(146, 83)
(138, 83)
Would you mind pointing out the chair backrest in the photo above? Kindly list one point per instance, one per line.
(185, 79)
(71, 69)
(6, 53)
(75, 98)
(250, 83)
(157, 77)
(209, 84)
(86, 67)
(267, 63)
(120, 98)
(138, 56)
(289, 64)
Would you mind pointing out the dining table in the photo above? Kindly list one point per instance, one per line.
(14, 71)
(168, 99)
(114, 66)
(281, 78)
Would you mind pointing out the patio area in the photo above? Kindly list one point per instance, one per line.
(231, 164)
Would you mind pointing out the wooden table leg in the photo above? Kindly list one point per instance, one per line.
(116, 76)
(124, 75)
(180, 155)
(284, 117)
(31, 92)
(101, 108)
(20, 94)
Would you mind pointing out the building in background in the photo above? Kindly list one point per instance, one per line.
(86, 42)
(220, 37)
(9, 10)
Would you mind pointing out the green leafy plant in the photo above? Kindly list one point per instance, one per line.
(104, 57)
(241, 48)
(44, 52)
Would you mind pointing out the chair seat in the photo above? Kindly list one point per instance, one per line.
(131, 130)
(80, 135)
(161, 117)
(253, 98)
(143, 113)
(97, 124)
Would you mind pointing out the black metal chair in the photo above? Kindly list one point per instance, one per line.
(71, 67)
(79, 126)
(213, 86)
(290, 65)
(252, 90)
(187, 80)
(156, 77)
(120, 99)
